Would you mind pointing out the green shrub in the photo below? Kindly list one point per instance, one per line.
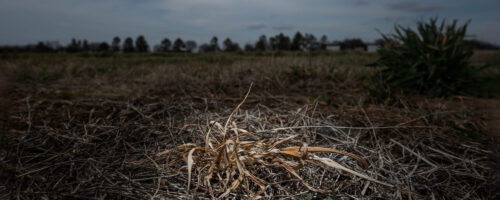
(432, 60)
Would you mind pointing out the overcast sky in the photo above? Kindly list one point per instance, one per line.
(29, 21)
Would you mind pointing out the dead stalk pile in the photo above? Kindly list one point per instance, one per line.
(231, 160)
(231, 157)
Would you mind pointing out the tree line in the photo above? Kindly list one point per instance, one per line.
(282, 42)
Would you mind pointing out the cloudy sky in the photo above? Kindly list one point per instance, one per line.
(29, 21)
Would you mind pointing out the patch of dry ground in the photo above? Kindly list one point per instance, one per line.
(492, 110)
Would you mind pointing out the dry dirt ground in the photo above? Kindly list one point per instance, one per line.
(492, 109)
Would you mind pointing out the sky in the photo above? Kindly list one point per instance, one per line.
(30, 21)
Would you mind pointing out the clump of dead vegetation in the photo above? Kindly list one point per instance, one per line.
(233, 156)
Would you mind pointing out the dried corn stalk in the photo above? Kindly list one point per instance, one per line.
(231, 156)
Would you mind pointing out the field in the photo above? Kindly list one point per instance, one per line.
(91, 126)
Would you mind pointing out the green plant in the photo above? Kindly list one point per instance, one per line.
(432, 60)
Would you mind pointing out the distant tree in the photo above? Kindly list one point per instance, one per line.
(323, 42)
(280, 42)
(85, 46)
(249, 47)
(310, 42)
(115, 45)
(141, 44)
(214, 44)
(94, 46)
(230, 46)
(283, 42)
(273, 43)
(261, 44)
(11, 49)
(236, 47)
(103, 46)
(55, 46)
(205, 48)
(191, 45)
(297, 42)
(74, 46)
(42, 47)
(353, 44)
(179, 45)
(165, 45)
(227, 44)
(128, 45)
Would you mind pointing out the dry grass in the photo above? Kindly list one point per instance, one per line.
(218, 73)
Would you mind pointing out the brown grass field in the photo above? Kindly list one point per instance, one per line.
(94, 126)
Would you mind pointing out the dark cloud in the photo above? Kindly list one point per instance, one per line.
(413, 6)
(256, 27)
(283, 27)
